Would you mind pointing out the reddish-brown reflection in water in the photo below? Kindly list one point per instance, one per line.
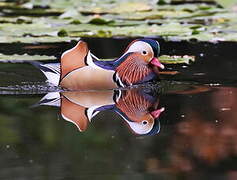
(202, 138)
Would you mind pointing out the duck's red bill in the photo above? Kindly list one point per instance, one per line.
(156, 62)
(156, 113)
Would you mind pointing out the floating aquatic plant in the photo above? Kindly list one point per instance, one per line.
(65, 20)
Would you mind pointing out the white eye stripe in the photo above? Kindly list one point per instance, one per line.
(140, 46)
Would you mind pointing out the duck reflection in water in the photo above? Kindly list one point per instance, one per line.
(138, 107)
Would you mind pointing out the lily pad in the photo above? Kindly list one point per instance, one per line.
(70, 19)
(166, 59)
(25, 57)
(46, 39)
(177, 59)
(227, 3)
(131, 7)
(100, 21)
(18, 20)
(117, 7)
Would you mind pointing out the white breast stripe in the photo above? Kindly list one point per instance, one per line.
(119, 96)
(89, 61)
(118, 81)
(90, 112)
(93, 56)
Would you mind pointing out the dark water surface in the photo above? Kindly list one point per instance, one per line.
(194, 137)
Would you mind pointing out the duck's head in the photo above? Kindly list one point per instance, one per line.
(140, 111)
(141, 58)
(147, 49)
(148, 124)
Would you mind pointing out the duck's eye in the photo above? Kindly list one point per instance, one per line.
(144, 122)
(144, 52)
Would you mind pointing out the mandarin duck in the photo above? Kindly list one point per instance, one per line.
(81, 70)
(137, 108)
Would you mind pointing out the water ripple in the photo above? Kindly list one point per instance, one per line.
(29, 88)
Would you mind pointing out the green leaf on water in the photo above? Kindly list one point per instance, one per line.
(125, 7)
(44, 39)
(117, 7)
(166, 59)
(100, 21)
(17, 20)
(70, 13)
(24, 57)
(227, 3)
(62, 33)
(68, 19)
(177, 59)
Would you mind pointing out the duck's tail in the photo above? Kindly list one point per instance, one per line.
(50, 70)
(50, 99)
